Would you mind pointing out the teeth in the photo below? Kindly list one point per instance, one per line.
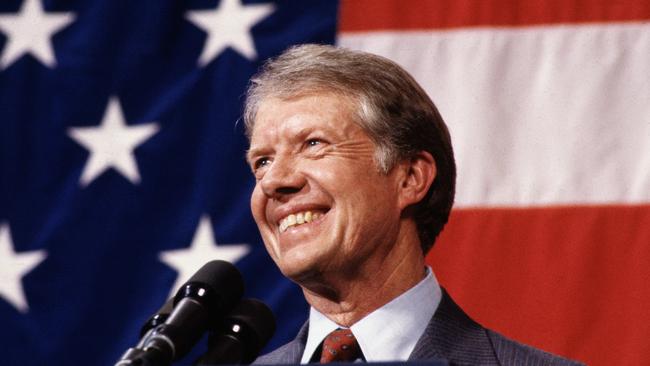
(298, 219)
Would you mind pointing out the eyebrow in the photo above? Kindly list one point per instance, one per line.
(250, 153)
(300, 134)
(247, 155)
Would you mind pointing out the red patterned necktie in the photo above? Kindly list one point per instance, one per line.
(340, 346)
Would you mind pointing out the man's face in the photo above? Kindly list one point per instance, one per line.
(320, 202)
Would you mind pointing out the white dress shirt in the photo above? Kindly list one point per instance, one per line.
(388, 333)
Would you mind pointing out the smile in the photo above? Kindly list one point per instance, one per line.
(298, 219)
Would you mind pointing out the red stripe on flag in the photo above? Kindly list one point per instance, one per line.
(572, 280)
(377, 15)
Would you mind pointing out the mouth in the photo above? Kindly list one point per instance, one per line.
(299, 218)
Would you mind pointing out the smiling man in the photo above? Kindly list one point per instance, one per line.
(355, 179)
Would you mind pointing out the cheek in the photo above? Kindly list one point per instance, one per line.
(258, 209)
(258, 201)
(334, 177)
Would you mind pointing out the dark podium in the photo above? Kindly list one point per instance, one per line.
(414, 363)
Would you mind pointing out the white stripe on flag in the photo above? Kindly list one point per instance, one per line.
(556, 115)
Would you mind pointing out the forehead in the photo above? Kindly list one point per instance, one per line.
(278, 117)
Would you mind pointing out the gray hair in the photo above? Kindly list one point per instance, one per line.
(391, 108)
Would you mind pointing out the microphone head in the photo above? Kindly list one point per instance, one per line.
(255, 322)
(217, 285)
(257, 315)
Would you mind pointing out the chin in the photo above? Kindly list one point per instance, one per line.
(298, 268)
(299, 276)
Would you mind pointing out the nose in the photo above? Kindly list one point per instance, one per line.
(282, 179)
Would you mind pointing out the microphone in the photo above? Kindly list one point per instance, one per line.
(158, 318)
(241, 335)
(198, 305)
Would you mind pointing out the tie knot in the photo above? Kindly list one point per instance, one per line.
(340, 346)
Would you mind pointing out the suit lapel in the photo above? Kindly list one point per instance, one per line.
(290, 353)
(454, 336)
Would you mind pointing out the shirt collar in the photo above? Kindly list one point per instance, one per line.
(319, 327)
(388, 333)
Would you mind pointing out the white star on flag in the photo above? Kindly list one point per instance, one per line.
(204, 248)
(30, 31)
(13, 267)
(229, 25)
(111, 144)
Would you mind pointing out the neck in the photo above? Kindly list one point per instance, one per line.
(346, 297)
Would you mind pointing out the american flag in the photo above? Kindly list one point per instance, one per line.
(122, 169)
(122, 164)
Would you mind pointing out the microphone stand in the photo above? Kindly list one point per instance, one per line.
(152, 355)
(139, 357)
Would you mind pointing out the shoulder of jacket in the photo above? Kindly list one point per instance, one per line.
(511, 352)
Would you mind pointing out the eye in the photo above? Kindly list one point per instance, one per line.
(261, 162)
(313, 142)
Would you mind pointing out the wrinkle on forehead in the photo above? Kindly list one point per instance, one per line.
(306, 117)
(346, 103)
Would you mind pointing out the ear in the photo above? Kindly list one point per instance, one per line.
(420, 171)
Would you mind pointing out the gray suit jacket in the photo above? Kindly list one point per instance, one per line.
(451, 335)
